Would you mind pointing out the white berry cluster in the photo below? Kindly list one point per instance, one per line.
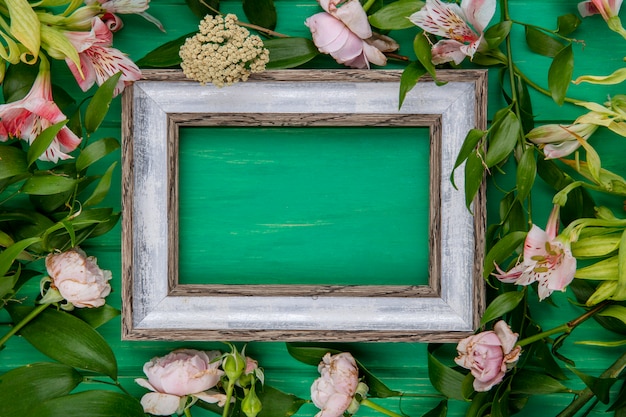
(222, 52)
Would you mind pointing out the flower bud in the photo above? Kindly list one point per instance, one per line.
(233, 364)
(251, 404)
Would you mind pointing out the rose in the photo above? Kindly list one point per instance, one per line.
(488, 355)
(334, 390)
(181, 373)
(78, 278)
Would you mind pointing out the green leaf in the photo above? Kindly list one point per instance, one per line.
(48, 184)
(445, 380)
(474, 174)
(100, 102)
(502, 250)
(560, 74)
(615, 311)
(503, 135)
(480, 403)
(289, 52)
(200, 9)
(497, 33)
(18, 81)
(67, 339)
(501, 305)
(25, 387)
(394, 16)
(601, 387)
(96, 317)
(422, 49)
(261, 13)
(542, 43)
(533, 383)
(43, 141)
(95, 403)
(96, 151)
(410, 76)
(526, 173)
(277, 403)
(102, 189)
(12, 162)
(567, 24)
(164, 56)
(440, 410)
(8, 256)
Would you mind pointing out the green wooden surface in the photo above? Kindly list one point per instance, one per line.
(401, 365)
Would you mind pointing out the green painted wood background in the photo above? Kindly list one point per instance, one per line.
(401, 366)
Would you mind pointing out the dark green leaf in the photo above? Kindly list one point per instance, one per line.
(395, 15)
(96, 151)
(601, 387)
(100, 102)
(503, 137)
(498, 33)
(542, 43)
(422, 49)
(526, 173)
(567, 23)
(444, 379)
(620, 400)
(18, 80)
(502, 250)
(200, 9)
(501, 305)
(440, 410)
(470, 142)
(524, 104)
(410, 76)
(102, 189)
(68, 340)
(43, 141)
(474, 174)
(480, 403)
(96, 317)
(261, 13)
(94, 403)
(582, 290)
(277, 403)
(25, 387)
(12, 161)
(48, 184)
(8, 256)
(533, 383)
(289, 52)
(7, 285)
(103, 228)
(164, 56)
(560, 74)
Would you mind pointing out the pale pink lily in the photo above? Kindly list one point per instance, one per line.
(462, 27)
(344, 32)
(27, 118)
(126, 7)
(558, 141)
(98, 60)
(547, 260)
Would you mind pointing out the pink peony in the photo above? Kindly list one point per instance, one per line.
(334, 390)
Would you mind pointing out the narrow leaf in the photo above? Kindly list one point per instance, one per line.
(48, 185)
(100, 102)
(102, 189)
(542, 43)
(615, 311)
(95, 403)
(39, 381)
(423, 52)
(601, 387)
(164, 56)
(440, 410)
(502, 250)
(526, 173)
(444, 379)
(501, 305)
(202, 8)
(12, 162)
(620, 291)
(503, 137)
(96, 151)
(68, 340)
(560, 74)
(96, 317)
(470, 142)
(289, 52)
(533, 383)
(474, 174)
(410, 76)
(278, 403)
(43, 141)
(261, 13)
(8, 256)
(394, 15)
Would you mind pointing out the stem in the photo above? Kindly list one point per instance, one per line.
(367, 5)
(564, 328)
(586, 395)
(540, 89)
(34, 313)
(262, 29)
(510, 64)
(229, 394)
(378, 408)
(187, 412)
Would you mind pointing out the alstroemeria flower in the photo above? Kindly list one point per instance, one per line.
(462, 27)
(558, 141)
(547, 260)
(27, 118)
(98, 60)
(607, 8)
(127, 7)
(344, 32)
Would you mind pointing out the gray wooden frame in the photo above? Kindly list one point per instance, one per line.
(156, 306)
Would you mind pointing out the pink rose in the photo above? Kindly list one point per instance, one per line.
(78, 278)
(344, 32)
(488, 355)
(173, 377)
(334, 390)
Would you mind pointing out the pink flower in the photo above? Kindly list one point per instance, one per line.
(558, 141)
(113, 7)
(607, 8)
(488, 355)
(181, 373)
(547, 259)
(27, 118)
(78, 278)
(98, 61)
(345, 33)
(334, 390)
(463, 27)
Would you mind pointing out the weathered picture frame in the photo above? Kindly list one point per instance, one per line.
(157, 306)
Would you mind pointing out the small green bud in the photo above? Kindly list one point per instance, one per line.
(606, 269)
(251, 404)
(233, 364)
(604, 291)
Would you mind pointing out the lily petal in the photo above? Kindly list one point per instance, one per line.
(447, 50)
(479, 12)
